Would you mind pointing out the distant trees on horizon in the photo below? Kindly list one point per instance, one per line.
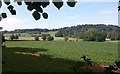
(90, 32)
(12, 37)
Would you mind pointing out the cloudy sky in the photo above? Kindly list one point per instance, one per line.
(85, 12)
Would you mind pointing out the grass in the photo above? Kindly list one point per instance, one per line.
(52, 33)
(100, 52)
(27, 63)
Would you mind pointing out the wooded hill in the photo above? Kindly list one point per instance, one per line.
(75, 30)
(88, 32)
(91, 32)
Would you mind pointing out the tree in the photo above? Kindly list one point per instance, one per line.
(43, 37)
(16, 37)
(101, 37)
(79, 30)
(50, 38)
(90, 35)
(12, 37)
(65, 38)
(58, 34)
(3, 39)
(36, 6)
(114, 35)
(36, 38)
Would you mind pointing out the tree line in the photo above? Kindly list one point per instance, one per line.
(91, 32)
(47, 37)
(35, 30)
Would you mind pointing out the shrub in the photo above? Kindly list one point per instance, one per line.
(16, 37)
(43, 37)
(100, 39)
(66, 38)
(12, 37)
(50, 38)
(87, 60)
(117, 63)
(36, 38)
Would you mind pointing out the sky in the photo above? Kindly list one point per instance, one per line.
(85, 12)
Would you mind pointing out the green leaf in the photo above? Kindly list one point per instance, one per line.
(28, 3)
(36, 15)
(45, 4)
(7, 2)
(45, 15)
(13, 12)
(58, 3)
(4, 15)
(30, 7)
(71, 3)
(19, 3)
(39, 9)
(10, 7)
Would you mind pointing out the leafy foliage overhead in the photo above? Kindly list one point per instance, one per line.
(4, 15)
(37, 6)
(71, 3)
(36, 15)
(58, 3)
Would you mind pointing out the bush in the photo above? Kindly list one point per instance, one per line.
(43, 37)
(66, 38)
(12, 37)
(36, 38)
(16, 37)
(50, 38)
(100, 39)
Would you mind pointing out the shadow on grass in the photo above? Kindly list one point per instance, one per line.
(32, 50)
(21, 40)
(27, 63)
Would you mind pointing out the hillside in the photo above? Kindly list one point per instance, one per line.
(75, 30)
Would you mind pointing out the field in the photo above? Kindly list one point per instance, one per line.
(58, 55)
(106, 52)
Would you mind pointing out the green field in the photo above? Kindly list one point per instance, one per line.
(99, 52)
(62, 54)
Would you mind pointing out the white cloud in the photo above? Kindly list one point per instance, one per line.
(10, 23)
